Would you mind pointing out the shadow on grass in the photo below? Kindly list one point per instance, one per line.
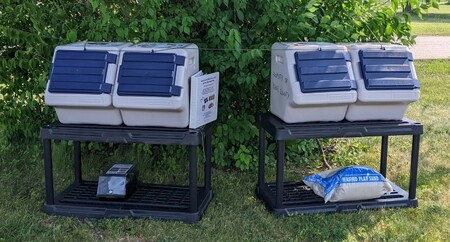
(433, 18)
(439, 175)
(339, 226)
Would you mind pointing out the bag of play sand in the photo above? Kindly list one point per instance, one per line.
(348, 184)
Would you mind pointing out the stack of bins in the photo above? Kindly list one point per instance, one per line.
(386, 79)
(81, 82)
(311, 82)
(153, 84)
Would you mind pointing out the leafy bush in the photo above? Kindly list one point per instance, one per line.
(234, 38)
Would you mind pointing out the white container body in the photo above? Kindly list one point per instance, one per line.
(378, 104)
(73, 108)
(160, 111)
(289, 103)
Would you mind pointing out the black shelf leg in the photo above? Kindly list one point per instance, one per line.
(280, 173)
(262, 154)
(208, 162)
(192, 178)
(77, 162)
(48, 167)
(384, 153)
(414, 164)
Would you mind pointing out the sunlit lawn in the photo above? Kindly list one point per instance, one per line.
(435, 22)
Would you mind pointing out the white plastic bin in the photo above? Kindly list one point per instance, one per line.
(311, 82)
(386, 80)
(81, 82)
(153, 84)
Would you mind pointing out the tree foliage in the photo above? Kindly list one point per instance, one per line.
(234, 37)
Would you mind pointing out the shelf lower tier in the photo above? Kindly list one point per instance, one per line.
(148, 200)
(299, 199)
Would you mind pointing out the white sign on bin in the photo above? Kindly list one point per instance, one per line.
(204, 99)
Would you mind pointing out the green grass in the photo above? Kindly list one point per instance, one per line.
(234, 213)
(435, 22)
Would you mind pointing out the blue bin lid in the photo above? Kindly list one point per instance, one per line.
(387, 70)
(149, 74)
(323, 71)
(81, 72)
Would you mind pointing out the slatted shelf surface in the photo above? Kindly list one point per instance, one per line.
(146, 196)
(299, 199)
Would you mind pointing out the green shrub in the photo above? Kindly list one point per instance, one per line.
(234, 38)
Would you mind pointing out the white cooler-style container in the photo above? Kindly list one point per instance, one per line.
(81, 82)
(153, 83)
(311, 82)
(386, 80)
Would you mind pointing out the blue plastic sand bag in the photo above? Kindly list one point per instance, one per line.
(348, 184)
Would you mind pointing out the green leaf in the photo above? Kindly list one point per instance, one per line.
(312, 9)
(435, 4)
(72, 35)
(325, 19)
(94, 4)
(388, 29)
(151, 12)
(116, 22)
(309, 15)
(240, 15)
(186, 30)
(334, 23)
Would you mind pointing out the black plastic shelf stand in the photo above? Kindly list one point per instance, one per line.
(284, 198)
(172, 202)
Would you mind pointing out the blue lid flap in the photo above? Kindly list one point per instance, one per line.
(130, 65)
(387, 68)
(153, 57)
(326, 62)
(85, 88)
(146, 90)
(68, 70)
(165, 81)
(324, 76)
(323, 69)
(80, 63)
(327, 85)
(85, 55)
(375, 75)
(402, 54)
(80, 79)
(147, 73)
(391, 83)
(320, 55)
(385, 61)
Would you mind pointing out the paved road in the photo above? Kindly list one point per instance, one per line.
(431, 47)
